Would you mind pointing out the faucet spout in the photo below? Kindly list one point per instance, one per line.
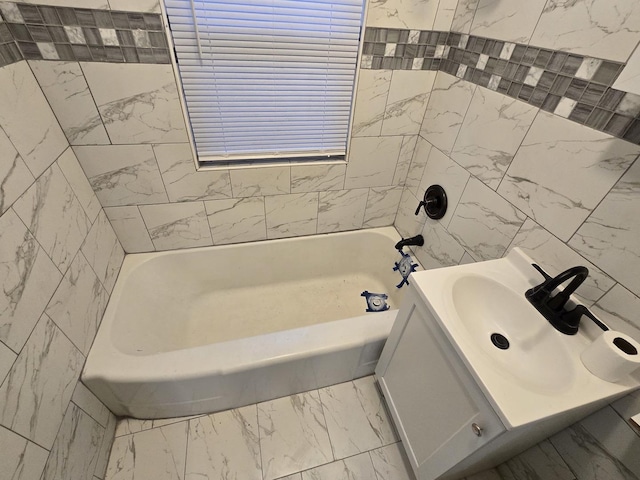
(418, 240)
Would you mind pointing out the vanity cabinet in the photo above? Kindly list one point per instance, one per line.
(441, 414)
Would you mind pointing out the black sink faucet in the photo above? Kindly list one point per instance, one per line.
(418, 240)
(551, 306)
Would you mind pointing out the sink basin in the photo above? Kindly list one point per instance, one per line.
(536, 355)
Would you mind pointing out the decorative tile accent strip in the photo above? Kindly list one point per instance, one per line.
(9, 52)
(569, 85)
(81, 34)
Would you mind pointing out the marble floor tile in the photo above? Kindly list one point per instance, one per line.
(158, 454)
(391, 463)
(15, 177)
(358, 467)
(541, 461)
(293, 435)
(356, 417)
(87, 401)
(237, 430)
(127, 426)
(21, 459)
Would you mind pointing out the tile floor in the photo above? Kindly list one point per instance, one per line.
(335, 433)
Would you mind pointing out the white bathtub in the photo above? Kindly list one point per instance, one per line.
(207, 329)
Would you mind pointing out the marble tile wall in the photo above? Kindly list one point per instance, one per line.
(59, 258)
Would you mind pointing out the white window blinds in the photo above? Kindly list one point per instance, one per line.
(267, 78)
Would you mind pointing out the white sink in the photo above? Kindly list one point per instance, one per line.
(540, 374)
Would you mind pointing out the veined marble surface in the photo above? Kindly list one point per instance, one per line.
(483, 147)
(317, 178)
(256, 182)
(372, 161)
(90, 404)
(404, 159)
(407, 101)
(513, 21)
(407, 223)
(341, 210)
(15, 177)
(356, 467)
(371, 100)
(414, 14)
(130, 229)
(463, 16)
(66, 89)
(78, 182)
(391, 463)
(562, 171)
(540, 461)
(609, 236)
(103, 251)
(619, 310)
(21, 459)
(236, 220)
(382, 205)
(440, 248)
(177, 225)
(417, 166)
(445, 14)
(291, 215)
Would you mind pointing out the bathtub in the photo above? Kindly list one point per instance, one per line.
(206, 329)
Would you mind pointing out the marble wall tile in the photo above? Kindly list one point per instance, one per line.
(177, 225)
(78, 182)
(513, 21)
(372, 161)
(356, 418)
(418, 164)
(391, 463)
(181, 179)
(382, 206)
(540, 461)
(463, 16)
(138, 103)
(448, 104)
(619, 310)
(27, 119)
(29, 279)
(236, 220)
(291, 215)
(445, 14)
(78, 304)
(317, 178)
(358, 467)
(407, 101)
(15, 177)
(102, 250)
(482, 146)
(414, 14)
(35, 394)
(371, 99)
(561, 172)
(158, 453)
(122, 174)
(466, 258)
(341, 210)
(609, 236)
(484, 222)
(66, 89)
(440, 248)
(629, 78)
(255, 182)
(404, 160)
(590, 27)
(136, 6)
(555, 257)
(237, 430)
(52, 212)
(21, 459)
(288, 424)
(75, 451)
(101, 4)
(407, 223)
(441, 170)
(90, 404)
(130, 229)
(105, 448)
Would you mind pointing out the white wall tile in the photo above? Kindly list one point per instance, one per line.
(418, 163)
(52, 212)
(562, 171)
(135, 6)
(448, 104)
(371, 99)
(382, 206)
(138, 103)
(78, 182)
(21, 459)
(27, 120)
(404, 160)
(66, 89)
(590, 27)
(407, 223)
(122, 174)
(254, 182)
(102, 250)
(236, 220)
(463, 16)
(291, 215)
(484, 222)
(101, 4)
(130, 229)
(513, 21)
(177, 225)
(35, 395)
(181, 179)
(372, 161)
(317, 178)
(619, 310)
(29, 279)
(407, 101)
(341, 210)
(414, 14)
(15, 177)
(440, 248)
(444, 17)
(483, 145)
(629, 78)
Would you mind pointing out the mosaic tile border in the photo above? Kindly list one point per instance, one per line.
(568, 85)
(41, 32)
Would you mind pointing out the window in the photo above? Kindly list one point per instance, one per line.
(267, 79)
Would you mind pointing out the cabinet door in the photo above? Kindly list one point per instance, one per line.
(434, 401)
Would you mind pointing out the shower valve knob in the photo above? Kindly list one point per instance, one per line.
(434, 202)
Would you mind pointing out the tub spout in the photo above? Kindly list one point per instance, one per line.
(418, 240)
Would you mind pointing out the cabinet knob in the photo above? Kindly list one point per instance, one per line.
(476, 429)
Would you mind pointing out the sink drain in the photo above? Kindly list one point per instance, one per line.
(499, 341)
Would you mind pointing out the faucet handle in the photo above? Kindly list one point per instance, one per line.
(573, 317)
(539, 269)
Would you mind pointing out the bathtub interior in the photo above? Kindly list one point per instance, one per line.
(198, 297)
